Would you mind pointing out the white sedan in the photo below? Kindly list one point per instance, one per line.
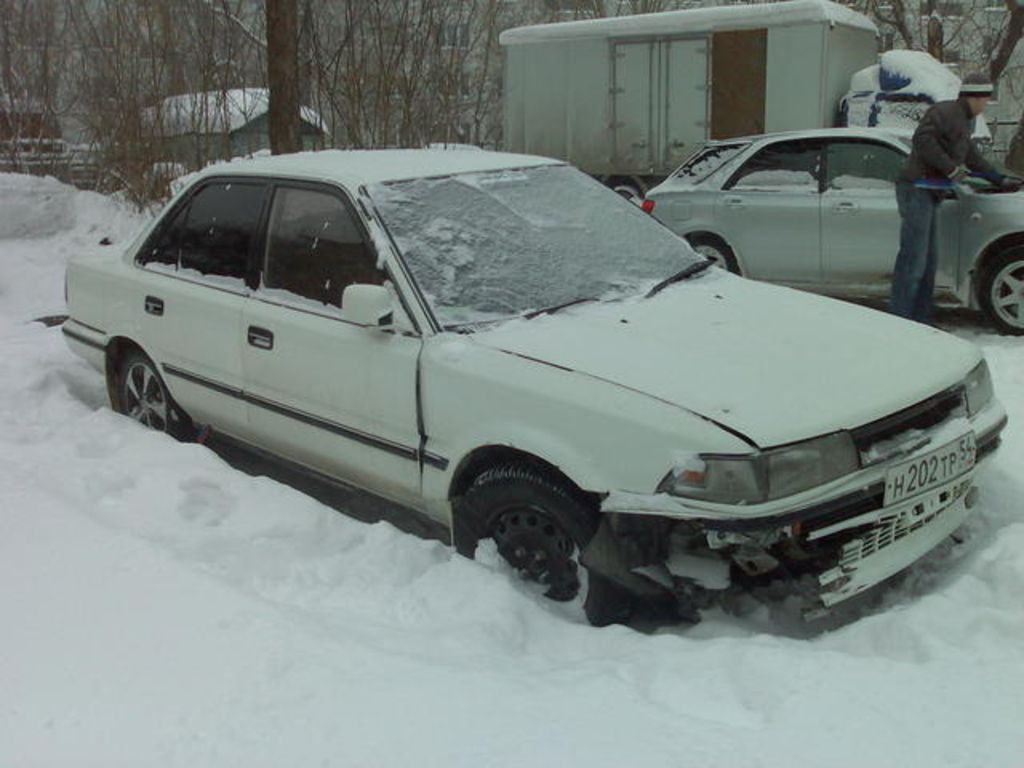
(503, 345)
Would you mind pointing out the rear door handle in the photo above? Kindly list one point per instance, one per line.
(734, 202)
(260, 338)
(845, 207)
(154, 306)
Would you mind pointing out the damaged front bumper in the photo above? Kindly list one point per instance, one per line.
(848, 536)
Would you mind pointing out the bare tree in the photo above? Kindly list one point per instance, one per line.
(148, 72)
(283, 75)
(33, 92)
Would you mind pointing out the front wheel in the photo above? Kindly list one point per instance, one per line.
(1001, 291)
(539, 528)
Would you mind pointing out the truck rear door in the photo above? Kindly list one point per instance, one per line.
(685, 101)
(660, 101)
(634, 77)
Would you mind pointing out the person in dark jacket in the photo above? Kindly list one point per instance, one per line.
(942, 154)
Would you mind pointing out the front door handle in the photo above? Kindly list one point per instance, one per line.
(154, 306)
(845, 207)
(260, 338)
(733, 202)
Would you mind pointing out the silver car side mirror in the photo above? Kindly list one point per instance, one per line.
(367, 305)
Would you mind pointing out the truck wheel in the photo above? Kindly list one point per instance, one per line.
(629, 191)
(143, 396)
(1001, 290)
(539, 528)
(716, 249)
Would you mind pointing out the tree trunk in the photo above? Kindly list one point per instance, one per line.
(283, 75)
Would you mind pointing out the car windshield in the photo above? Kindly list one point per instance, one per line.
(487, 246)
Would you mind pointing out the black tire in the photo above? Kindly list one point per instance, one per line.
(143, 396)
(1001, 290)
(540, 528)
(716, 249)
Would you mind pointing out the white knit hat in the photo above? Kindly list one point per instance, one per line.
(976, 84)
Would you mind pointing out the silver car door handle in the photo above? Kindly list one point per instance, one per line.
(733, 202)
(154, 306)
(845, 207)
(260, 338)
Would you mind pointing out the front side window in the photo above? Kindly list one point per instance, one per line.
(861, 165)
(315, 248)
(790, 166)
(213, 233)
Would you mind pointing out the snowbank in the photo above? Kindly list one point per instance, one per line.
(161, 608)
(34, 206)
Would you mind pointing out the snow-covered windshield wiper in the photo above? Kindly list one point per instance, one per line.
(551, 310)
(682, 274)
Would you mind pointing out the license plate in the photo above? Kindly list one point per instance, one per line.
(934, 468)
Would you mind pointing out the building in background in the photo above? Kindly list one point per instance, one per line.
(194, 129)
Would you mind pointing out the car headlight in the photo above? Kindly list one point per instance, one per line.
(773, 474)
(978, 386)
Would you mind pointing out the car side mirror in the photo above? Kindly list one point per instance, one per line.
(367, 305)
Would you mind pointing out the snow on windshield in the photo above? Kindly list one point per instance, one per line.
(490, 245)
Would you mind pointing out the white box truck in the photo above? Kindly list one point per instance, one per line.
(628, 98)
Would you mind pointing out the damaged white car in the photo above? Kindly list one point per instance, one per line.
(500, 343)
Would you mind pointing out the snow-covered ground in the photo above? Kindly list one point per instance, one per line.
(160, 608)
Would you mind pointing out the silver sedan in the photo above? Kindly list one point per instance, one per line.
(816, 209)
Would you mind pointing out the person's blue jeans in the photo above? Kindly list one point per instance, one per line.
(913, 279)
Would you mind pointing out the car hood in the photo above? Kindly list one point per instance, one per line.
(774, 364)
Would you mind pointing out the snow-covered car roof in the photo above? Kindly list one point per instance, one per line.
(821, 133)
(356, 167)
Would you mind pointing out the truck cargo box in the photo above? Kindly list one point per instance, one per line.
(628, 98)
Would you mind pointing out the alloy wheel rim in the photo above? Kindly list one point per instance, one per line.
(144, 398)
(1007, 294)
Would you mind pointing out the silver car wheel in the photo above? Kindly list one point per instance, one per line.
(1007, 294)
(144, 397)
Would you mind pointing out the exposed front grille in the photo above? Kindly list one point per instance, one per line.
(895, 526)
(922, 416)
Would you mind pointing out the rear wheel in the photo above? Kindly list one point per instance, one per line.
(539, 528)
(716, 249)
(1001, 290)
(143, 396)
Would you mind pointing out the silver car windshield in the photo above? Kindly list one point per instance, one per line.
(487, 246)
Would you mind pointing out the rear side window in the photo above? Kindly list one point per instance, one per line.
(219, 230)
(706, 161)
(213, 233)
(315, 247)
(791, 166)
